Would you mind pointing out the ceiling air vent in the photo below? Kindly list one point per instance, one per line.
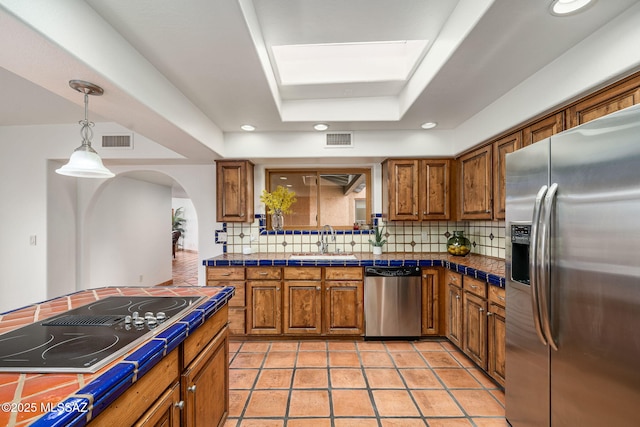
(117, 141)
(339, 140)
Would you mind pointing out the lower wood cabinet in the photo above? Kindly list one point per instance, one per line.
(474, 327)
(430, 306)
(496, 334)
(264, 312)
(454, 308)
(302, 301)
(166, 412)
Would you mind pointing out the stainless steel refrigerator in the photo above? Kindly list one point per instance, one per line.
(573, 277)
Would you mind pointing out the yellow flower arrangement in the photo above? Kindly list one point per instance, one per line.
(279, 200)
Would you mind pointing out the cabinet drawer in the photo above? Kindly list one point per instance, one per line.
(497, 295)
(343, 273)
(475, 286)
(454, 279)
(303, 273)
(264, 273)
(225, 273)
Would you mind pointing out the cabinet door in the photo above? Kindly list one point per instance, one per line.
(454, 314)
(165, 412)
(205, 385)
(263, 307)
(234, 187)
(403, 189)
(617, 97)
(302, 307)
(475, 184)
(508, 144)
(543, 129)
(344, 307)
(496, 342)
(474, 343)
(430, 281)
(434, 189)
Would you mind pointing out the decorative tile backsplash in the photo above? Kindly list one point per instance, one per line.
(487, 237)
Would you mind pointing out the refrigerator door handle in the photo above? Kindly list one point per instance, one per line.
(533, 263)
(545, 264)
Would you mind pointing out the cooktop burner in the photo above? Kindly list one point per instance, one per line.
(87, 338)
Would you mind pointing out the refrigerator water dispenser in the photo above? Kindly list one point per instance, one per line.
(520, 242)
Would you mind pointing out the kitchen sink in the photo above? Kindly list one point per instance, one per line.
(311, 256)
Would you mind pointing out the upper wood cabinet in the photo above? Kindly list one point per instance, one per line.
(501, 148)
(617, 97)
(234, 187)
(543, 129)
(415, 190)
(475, 184)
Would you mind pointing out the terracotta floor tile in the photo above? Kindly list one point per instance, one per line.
(399, 346)
(280, 359)
(457, 378)
(428, 346)
(420, 378)
(440, 359)
(342, 346)
(394, 403)
(490, 422)
(310, 378)
(375, 359)
(309, 422)
(408, 359)
(352, 403)
(309, 403)
(478, 402)
(498, 394)
(383, 378)
(242, 378)
(482, 378)
(267, 403)
(274, 378)
(311, 359)
(355, 422)
(402, 422)
(447, 345)
(449, 422)
(231, 422)
(284, 346)
(313, 345)
(237, 400)
(261, 423)
(248, 360)
(344, 359)
(462, 359)
(436, 403)
(254, 347)
(370, 346)
(347, 378)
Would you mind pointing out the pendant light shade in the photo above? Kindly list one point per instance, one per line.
(84, 161)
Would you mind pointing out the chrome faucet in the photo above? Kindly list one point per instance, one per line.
(324, 239)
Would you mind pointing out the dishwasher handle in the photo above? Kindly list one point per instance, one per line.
(391, 271)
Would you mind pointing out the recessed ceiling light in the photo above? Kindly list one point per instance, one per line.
(428, 125)
(568, 7)
(248, 128)
(321, 126)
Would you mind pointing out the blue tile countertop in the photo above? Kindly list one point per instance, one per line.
(480, 267)
(73, 399)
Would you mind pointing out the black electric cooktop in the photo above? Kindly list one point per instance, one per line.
(87, 338)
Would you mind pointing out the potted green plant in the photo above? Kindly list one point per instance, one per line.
(378, 240)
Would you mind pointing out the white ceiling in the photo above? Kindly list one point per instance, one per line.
(192, 70)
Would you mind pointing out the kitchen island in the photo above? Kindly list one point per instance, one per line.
(154, 381)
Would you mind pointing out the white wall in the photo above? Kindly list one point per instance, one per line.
(189, 239)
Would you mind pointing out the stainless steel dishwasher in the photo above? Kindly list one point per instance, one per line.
(392, 301)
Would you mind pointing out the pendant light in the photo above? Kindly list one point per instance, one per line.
(84, 161)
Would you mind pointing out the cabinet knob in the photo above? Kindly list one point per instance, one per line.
(317, 288)
(415, 213)
(457, 296)
(481, 309)
(179, 405)
(192, 389)
(241, 215)
(489, 313)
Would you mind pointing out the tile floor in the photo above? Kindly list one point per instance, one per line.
(358, 384)
(185, 268)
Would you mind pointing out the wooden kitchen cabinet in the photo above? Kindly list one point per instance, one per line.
(415, 190)
(344, 301)
(454, 307)
(231, 276)
(430, 309)
(496, 334)
(264, 300)
(165, 412)
(234, 188)
(543, 129)
(475, 186)
(501, 148)
(302, 304)
(474, 320)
